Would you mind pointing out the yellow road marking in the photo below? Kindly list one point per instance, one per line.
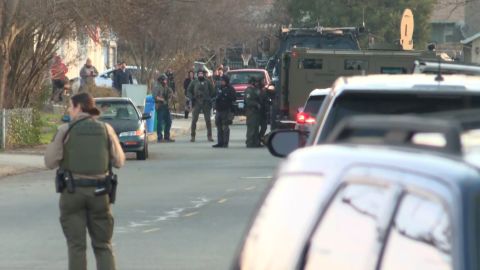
(190, 214)
(222, 200)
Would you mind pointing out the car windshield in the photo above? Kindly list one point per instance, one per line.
(313, 104)
(244, 77)
(358, 103)
(117, 110)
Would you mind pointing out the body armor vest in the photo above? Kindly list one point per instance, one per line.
(86, 150)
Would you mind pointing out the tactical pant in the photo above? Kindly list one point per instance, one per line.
(205, 109)
(164, 123)
(222, 121)
(263, 126)
(80, 211)
(253, 128)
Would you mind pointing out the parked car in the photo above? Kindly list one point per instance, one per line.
(385, 203)
(307, 115)
(239, 79)
(128, 123)
(386, 95)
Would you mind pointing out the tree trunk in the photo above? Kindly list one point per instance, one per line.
(4, 70)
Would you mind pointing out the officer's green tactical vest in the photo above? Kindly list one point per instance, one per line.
(86, 150)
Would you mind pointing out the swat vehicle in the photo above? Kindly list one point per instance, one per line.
(345, 38)
(306, 69)
(302, 68)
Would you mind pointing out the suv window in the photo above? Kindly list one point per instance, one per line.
(361, 103)
(313, 104)
(348, 235)
(420, 237)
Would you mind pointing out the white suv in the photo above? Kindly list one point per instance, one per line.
(384, 95)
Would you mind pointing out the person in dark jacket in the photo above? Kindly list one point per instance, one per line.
(188, 103)
(225, 104)
(121, 77)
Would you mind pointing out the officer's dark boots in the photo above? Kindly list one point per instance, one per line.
(210, 138)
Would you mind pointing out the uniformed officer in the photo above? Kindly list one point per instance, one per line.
(85, 150)
(225, 104)
(164, 96)
(253, 111)
(265, 102)
(201, 92)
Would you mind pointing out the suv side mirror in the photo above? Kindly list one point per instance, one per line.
(146, 116)
(283, 142)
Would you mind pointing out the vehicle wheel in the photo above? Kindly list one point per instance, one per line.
(143, 155)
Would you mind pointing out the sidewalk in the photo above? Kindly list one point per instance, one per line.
(24, 160)
(13, 163)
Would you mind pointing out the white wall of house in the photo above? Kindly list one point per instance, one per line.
(75, 52)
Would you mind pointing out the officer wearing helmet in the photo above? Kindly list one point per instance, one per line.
(164, 97)
(253, 110)
(224, 104)
(201, 92)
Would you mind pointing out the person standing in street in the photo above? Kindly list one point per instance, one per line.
(253, 111)
(201, 91)
(122, 76)
(85, 151)
(266, 103)
(163, 95)
(58, 71)
(224, 103)
(87, 77)
(188, 103)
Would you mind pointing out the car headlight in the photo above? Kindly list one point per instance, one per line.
(131, 133)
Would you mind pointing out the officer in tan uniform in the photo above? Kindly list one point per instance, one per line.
(84, 151)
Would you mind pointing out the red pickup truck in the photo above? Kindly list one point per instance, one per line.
(239, 79)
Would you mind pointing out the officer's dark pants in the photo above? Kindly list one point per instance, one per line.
(80, 211)
(253, 128)
(205, 109)
(263, 127)
(164, 123)
(222, 121)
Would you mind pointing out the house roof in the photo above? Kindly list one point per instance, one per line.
(447, 12)
(470, 39)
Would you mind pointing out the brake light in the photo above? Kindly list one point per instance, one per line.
(305, 118)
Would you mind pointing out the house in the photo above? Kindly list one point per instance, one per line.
(447, 28)
(471, 49)
(101, 48)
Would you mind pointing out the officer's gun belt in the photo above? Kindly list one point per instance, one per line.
(89, 183)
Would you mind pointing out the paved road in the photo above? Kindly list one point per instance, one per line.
(185, 208)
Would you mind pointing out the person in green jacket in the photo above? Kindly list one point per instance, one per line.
(253, 110)
(201, 92)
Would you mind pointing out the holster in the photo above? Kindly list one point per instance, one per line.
(69, 183)
(59, 181)
(111, 184)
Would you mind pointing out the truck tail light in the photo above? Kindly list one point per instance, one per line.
(305, 118)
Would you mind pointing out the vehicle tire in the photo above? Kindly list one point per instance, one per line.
(143, 155)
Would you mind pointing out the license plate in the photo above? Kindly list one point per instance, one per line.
(241, 105)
